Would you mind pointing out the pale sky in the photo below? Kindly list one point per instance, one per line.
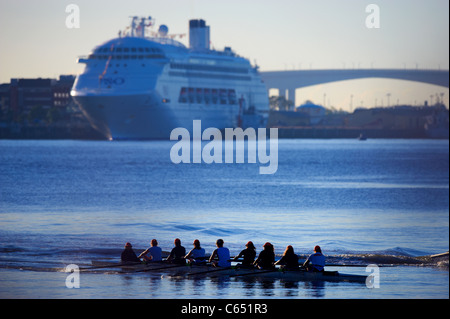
(278, 35)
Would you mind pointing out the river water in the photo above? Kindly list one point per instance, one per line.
(71, 202)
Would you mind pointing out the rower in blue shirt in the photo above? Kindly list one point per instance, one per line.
(315, 262)
(152, 254)
(222, 254)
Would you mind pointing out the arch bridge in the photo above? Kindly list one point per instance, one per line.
(291, 80)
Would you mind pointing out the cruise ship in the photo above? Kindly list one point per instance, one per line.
(144, 83)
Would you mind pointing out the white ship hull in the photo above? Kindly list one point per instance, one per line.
(138, 116)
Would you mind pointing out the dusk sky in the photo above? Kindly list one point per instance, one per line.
(278, 35)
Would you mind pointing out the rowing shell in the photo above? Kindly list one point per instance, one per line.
(198, 270)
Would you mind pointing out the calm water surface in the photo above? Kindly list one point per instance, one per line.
(64, 202)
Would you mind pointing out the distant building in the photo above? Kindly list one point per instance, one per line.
(316, 112)
(403, 117)
(287, 119)
(33, 92)
(5, 97)
(42, 109)
(20, 96)
(61, 91)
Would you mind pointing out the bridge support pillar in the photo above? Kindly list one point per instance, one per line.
(290, 94)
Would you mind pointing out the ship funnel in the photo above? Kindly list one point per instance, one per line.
(198, 35)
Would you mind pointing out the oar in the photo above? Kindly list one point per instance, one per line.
(209, 271)
(255, 273)
(355, 265)
(160, 268)
(112, 266)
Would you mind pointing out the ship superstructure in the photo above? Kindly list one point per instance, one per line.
(142, 87)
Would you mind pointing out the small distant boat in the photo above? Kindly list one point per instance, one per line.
(362, 137)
